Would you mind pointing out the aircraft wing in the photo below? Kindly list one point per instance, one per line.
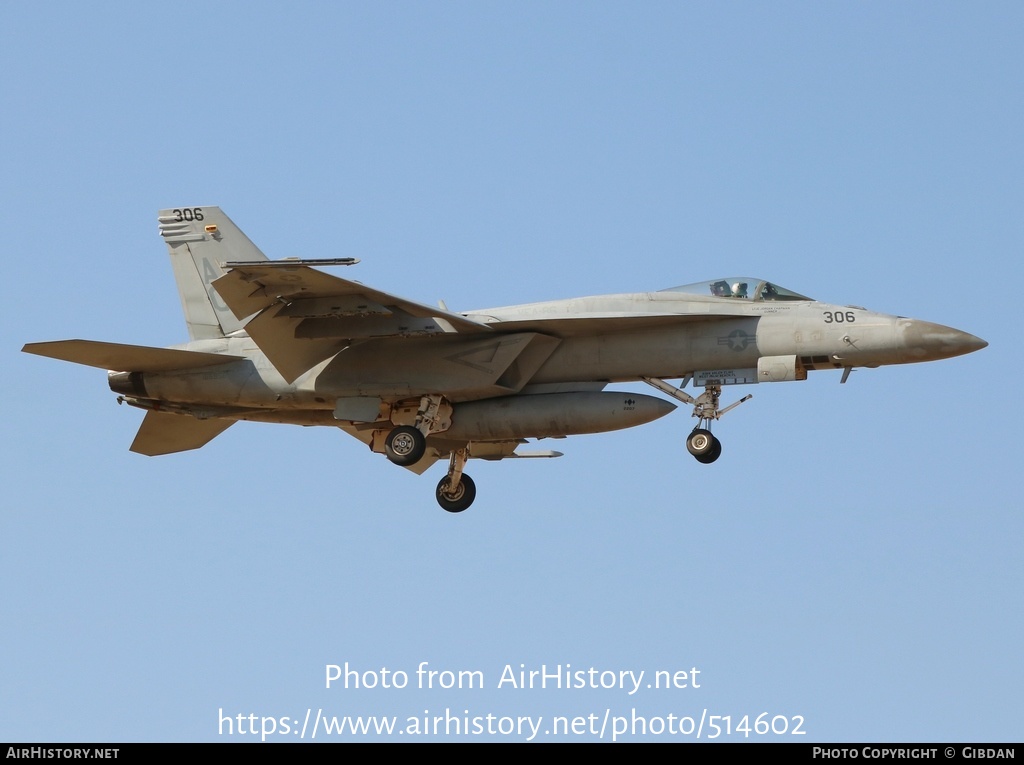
(301, 316)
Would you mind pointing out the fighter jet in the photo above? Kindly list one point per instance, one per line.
(281, 341)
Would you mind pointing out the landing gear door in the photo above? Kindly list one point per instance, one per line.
(780, 369)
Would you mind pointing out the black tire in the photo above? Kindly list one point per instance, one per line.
(462, 498)
(700, 442)
(405, 445)
(711, 456)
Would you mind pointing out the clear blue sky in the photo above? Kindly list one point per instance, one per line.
(853, 558)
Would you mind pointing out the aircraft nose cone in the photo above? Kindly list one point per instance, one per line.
(925, 341)
(971, 343)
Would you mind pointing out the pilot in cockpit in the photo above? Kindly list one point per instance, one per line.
(739, 290)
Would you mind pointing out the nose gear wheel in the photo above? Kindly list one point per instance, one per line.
(704, 447)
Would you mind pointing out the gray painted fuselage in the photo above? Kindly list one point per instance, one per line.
(658, 335)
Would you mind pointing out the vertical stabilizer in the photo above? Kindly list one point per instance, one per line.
(199, 240)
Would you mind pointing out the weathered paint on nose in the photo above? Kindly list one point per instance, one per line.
(925, 341)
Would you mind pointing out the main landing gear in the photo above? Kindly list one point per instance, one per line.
(704, 447)
(405, 445)
(456, 491)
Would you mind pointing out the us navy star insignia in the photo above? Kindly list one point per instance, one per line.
(737, 340)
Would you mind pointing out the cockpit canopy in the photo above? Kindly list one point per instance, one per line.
(740, 288)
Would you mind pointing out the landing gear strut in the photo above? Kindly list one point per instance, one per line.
(700, 443)
(406, 444)
(456, 491)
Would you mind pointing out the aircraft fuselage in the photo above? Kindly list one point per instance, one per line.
(818, 335)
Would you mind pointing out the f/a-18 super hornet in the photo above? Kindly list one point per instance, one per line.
(280, 341)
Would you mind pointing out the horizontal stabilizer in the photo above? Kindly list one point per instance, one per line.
(163, 433)
(126, 358)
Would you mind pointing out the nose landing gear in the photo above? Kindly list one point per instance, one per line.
(704, 447)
